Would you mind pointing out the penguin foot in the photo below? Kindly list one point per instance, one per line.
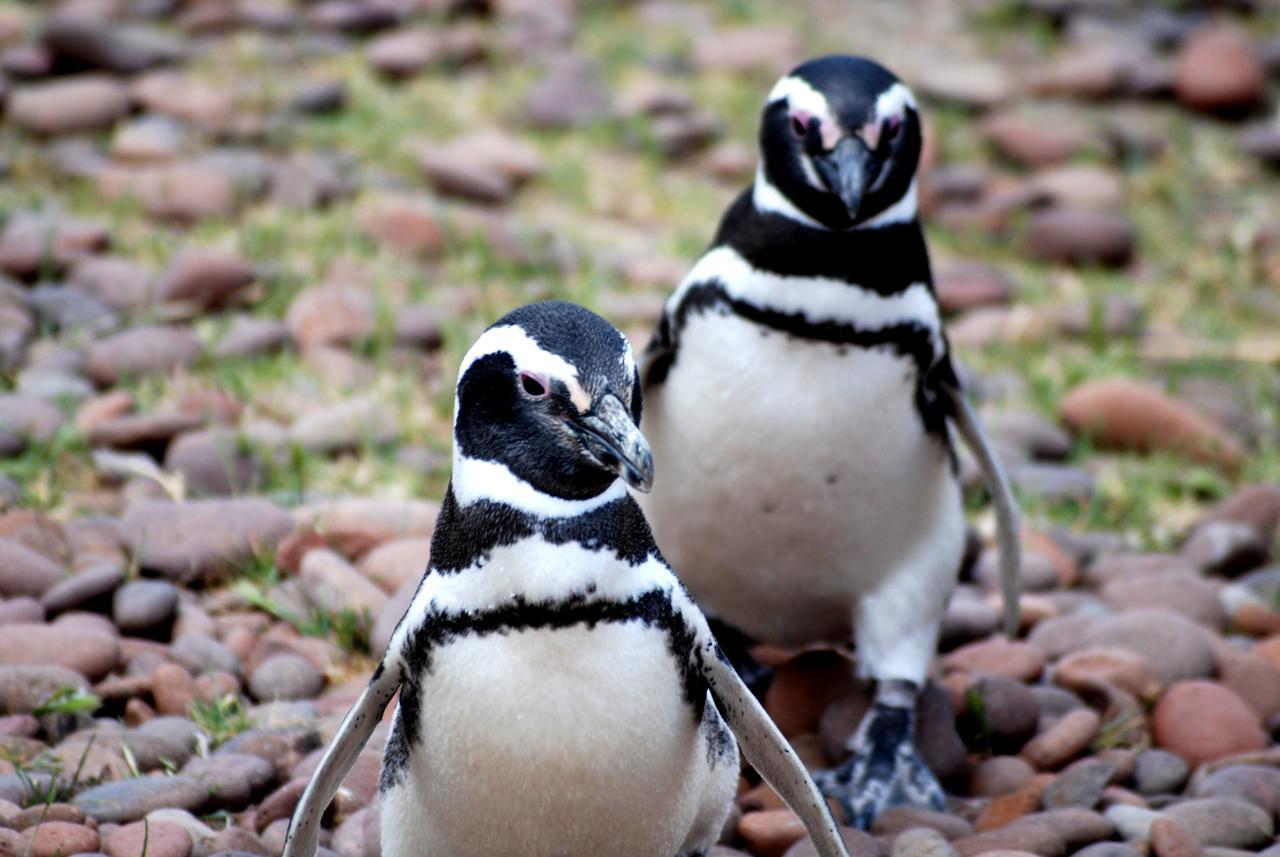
(884, 771)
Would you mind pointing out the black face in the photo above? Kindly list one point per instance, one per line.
(568, 437)
(863, 163)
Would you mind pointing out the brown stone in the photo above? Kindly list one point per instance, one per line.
(1219, 72)
(1203, 721)
(999, 657)
(1063, 741)
(58, 838)
(1129, 415)
(70, 105)
(771, 832)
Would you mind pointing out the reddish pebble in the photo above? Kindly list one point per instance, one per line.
(770, 833)
(1062, 741)
(1170, 839)
(53, 838)
(1018, 661)
(1202, 721)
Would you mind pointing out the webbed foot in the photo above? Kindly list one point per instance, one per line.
(884, 771)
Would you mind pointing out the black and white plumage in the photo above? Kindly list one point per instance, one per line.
(801, 386)
(560, 694)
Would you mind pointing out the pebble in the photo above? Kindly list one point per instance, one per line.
(71, 105)
(1255, 784)
(1126, 670)
(131, 799)
(344, 426)
(141, 351)
(998, 657)
(143, 607)
(771, 832)
(330, 315)
(233, 779)
(1184, 593)
(201, 539)
(1034, 837)
(1062, 741)
(1079, 236)
(249, 336)
(1224, 822)
(1202, 721)
(921, 842)
(1009, 712)
(569, 94)
(25, 572)
(205, 278)
(1226, 548)
(1000, 775)
(1218, 72)
(96, 44)
(1079, 785)
(900, 819)
(87, 651)
(200, 653)
(407, 224)
(1159, 772)
(1170, 839)
(173, 689)
(856, 842)
(1130, 415)
(285, 676)
(149, 839)
(1131, 822)
(185, 193)
(121, 284)
(53, 838)
(1108, 849)
(215, 463)
(24, 688)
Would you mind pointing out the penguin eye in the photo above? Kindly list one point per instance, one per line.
(533, 385)
(799, 125)
(891, 130)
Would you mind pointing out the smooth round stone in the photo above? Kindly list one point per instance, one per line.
(200, 654)
(58, 838)
(131, 799)
(152, 839)
(1159, 772)
(286, 677)
(88, 652)
(141, 606)
(1224, 822)
(1202, 721)
(233, 779)
(25, 572)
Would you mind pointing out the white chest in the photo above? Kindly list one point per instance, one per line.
(792, 476)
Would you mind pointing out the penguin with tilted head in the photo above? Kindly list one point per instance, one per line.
(560, 693)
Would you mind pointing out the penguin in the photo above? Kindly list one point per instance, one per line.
(799, 382)
(560, 692)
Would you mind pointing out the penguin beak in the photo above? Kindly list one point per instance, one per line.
(845, 170)
(614, 443)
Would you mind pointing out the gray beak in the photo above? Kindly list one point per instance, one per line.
(615, 443)
(844, 170)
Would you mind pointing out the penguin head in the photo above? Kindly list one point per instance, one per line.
(548, 401)
(839, 141)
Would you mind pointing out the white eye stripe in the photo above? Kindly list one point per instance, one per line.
(524, 350)
(894, 101)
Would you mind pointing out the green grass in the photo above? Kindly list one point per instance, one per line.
(221, 719)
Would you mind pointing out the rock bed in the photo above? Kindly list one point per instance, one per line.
(184, 621)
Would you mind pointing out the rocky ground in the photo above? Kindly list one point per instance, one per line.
(245, 244)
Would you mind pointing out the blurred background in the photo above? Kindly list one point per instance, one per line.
(244, 246)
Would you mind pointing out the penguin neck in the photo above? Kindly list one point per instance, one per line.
(482, 480)
(886, 255)
(467, 533)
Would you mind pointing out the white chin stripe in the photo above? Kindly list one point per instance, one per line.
(817, 299)
(477, 479)
(894, 101)
(902, 211)
(766, 197)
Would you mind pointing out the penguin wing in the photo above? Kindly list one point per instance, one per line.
(353, 734)
(1007, 527)
(763, 745)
